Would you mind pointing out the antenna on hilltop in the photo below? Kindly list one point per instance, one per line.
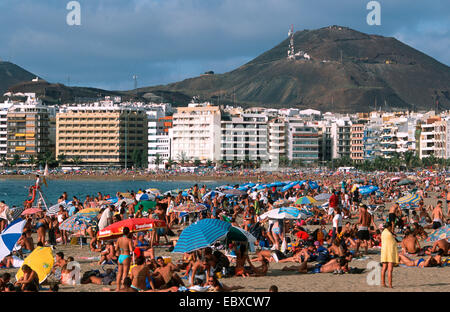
(291, 51)
(135, 77)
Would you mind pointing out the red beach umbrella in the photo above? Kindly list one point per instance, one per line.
(135, 225)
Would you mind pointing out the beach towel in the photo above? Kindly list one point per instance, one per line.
(389, 251)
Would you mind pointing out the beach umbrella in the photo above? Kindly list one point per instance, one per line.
(289, 186)
(89, 211)
(55, 208)
(305, 200)
(277, 184)
(322, 196)
(283, 213)
(39, 260)
(189, 207)
(154, 191)
(359, 180)
(134, 224)
(395, 179)
(148, 205)
(31, 211)
(127, 201)
(282, 202)
(234, 192)
(405, 182)
(409, 199)
(15, 212)
(10, 236)
(367, 189)
(201, 234)
(212, 194)
(78, 222)
(441, 233)
(313, 185)
(237, 234)
(126, 195)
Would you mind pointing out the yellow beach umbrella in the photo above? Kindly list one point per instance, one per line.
(41, 261)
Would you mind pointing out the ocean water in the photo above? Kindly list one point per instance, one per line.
(15, 191)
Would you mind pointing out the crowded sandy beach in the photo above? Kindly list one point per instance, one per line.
(323, 230)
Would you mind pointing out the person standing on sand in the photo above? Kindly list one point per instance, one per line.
(389, 253)
(124, 247)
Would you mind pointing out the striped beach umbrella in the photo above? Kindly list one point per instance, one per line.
(189, 207)
(201, 234)
(15, 212)
(409, 199)
(441, 233)
(10, 236)
(305, 200)
(77, 222)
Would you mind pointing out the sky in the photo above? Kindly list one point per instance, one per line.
(163, 41)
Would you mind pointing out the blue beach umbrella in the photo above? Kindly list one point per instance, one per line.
(201, 234)
(364, 190)
(322, 197)
(10, 236)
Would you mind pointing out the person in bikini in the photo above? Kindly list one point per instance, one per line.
(442, 244)
(431, 261)
(337, 264)
(124, 248)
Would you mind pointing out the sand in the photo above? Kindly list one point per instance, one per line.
(405, 279)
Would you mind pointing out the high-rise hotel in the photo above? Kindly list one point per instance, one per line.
(102, 134)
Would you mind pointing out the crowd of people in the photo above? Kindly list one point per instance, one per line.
(345, 226)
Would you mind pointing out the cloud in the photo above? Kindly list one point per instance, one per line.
(164, 41)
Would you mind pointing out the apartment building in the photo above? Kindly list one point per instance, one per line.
(196, 133)
(277, 132)
(302, 141)
(357, 142)
(27, 129)
(433, 138)
(244, 137)
(158, 137)
(102, 134)
(4, 107)
(341, 136)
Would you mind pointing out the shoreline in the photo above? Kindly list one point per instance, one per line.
(154, 177)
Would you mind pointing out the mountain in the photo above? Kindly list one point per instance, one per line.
(348, 71)
(11, 74)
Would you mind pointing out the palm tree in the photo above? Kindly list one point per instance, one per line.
(15, 160)
(157, 160)
(182, 157)
(61, 158)
(76, 160)
(170, 162)
(197, 163)
(209, 163)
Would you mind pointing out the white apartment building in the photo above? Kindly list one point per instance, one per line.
(196, 133)
(302, 140)
(397, 136)
(158, 138)
(433, 138)
(277, 133)
(4, 128)
(244, 137)
(341, 137)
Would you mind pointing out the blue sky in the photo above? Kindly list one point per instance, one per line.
(165, 41)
